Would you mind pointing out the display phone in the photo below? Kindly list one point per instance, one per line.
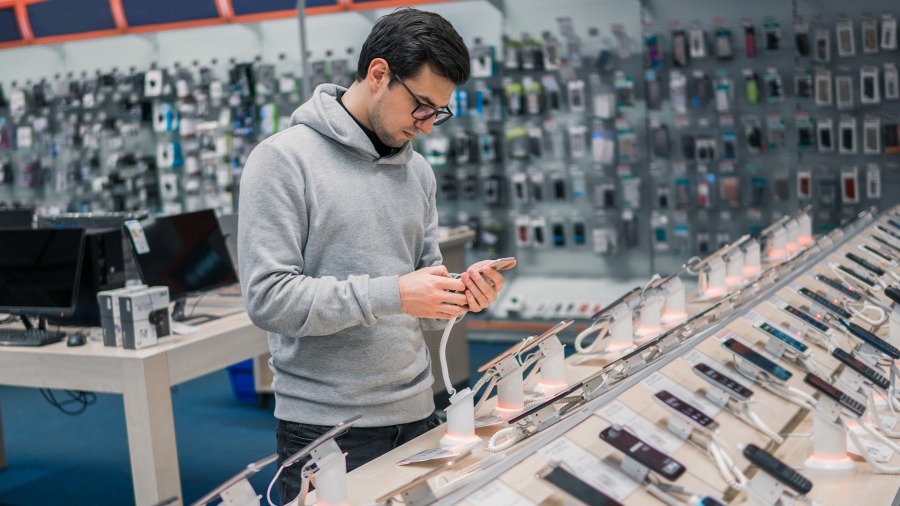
(625, 298)
(719, 380)
(425, 477)
(862, 262)
(777, 469)
(888, 232)
(855, 407)
(859, 277)
(893, 293)
(333, 432)
(794, 344)
(846, 290)
(844, 89)
(884, 243)
(549, 402)
(879, 254)
(632, 446)
(823, 46)
(501, 264)
(685, 411)
(574, 486)
(822, 301)
(757, 360)
(823, 88)
(862, 368)
(871, 339)
(525, 345)
(806, 318)
(826, 141)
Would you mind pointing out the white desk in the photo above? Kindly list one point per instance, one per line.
(143, 377)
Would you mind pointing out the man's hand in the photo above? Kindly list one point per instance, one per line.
(482, 289)
(424, 294)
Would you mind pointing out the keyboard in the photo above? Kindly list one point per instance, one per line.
(31, 337)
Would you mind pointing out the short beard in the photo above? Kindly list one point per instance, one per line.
(375, 119)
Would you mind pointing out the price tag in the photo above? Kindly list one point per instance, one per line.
(878, 451)
(497, 493)
(136, 231)
(588, 467)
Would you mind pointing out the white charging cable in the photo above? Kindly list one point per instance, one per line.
(442, 353)
(512, 435)
(601, 326)
(730, 472)
(861, 447)
(873, 413)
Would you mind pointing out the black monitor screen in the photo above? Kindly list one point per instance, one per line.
(185, 252)
(39, 270)
(16, 218)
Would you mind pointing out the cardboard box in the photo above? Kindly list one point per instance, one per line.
(110, 321)
(145, 317)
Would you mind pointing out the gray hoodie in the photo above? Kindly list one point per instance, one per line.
(326, 228)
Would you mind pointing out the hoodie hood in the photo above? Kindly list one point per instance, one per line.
(325, 115)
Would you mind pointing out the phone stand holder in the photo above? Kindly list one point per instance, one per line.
(634, 469)
(764, 490)
(751, 268)
(651, 317)
(856, 382)
(680, 428)
(460, 420)
(792, 242)
(674, 313)
(711, 282)
(775, 348)
(331, 477)
(776, 248)
(894, 334)
(240, 494)
(829, 452)
(553, 367)
(621, 330)
(734, 267)
(804, 233)
(510, 388)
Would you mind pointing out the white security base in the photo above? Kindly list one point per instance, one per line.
(830, 468)
(449, 441)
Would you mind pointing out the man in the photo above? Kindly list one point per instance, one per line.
(338, 247)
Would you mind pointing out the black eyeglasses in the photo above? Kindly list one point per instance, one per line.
(424, 111)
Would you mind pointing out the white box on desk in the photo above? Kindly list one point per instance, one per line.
(110, 321)
(145, 317)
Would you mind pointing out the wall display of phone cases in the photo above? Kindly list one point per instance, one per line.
(163, 141)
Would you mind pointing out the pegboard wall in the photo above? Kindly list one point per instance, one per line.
(725, 130)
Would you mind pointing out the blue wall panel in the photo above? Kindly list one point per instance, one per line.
(9, 29)
(244, 7)
(63, 17)
(157, 12)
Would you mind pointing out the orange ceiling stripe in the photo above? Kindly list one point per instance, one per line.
(226, 11)
(22, 20)
(118, 14)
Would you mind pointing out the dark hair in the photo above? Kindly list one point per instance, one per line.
(408, 39)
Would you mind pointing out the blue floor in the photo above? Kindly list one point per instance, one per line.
(54, 458)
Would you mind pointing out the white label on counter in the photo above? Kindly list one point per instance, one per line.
(590, 468)
(652, 434)
(497, 493)
(658, 381)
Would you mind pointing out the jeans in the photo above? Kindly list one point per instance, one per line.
(361, 444)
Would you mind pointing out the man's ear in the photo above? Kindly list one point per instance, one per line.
(378, 74)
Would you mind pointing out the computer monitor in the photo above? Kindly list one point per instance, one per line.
(16, 218)
(40, 270)
(185, 252)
